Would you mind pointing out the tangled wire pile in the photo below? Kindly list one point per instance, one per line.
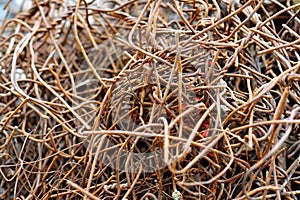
(153, 99)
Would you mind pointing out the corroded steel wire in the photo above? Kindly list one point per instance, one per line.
(178, 99)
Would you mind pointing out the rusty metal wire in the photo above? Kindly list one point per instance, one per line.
(211, 92)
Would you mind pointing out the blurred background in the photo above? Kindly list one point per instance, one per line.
(10, 8)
